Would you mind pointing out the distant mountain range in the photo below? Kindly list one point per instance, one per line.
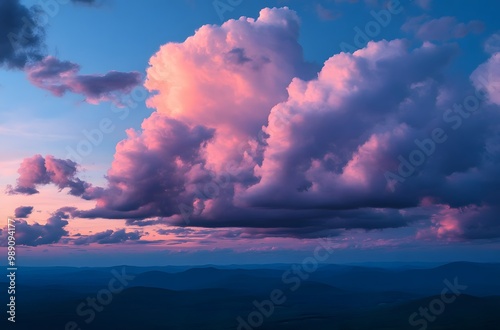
(213, 297)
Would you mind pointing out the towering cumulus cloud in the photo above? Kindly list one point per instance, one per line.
(228, 77)
(215, 91)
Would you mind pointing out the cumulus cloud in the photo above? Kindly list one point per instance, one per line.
(60, 77)
(108, 237)
(246, 63)
(441, 29)
(21, 36)
(36, 234)
(23, 211)
(37, 170)
(331, 142)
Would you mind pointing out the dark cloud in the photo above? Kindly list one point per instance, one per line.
(237, 56)
(37, 234)
(441, 29)
(23, 211)
(90, 3)
(38, 170)
(21, 35)
(85, 2)
(22, 46)
(163, 160)
(60, 77)
(108, 237)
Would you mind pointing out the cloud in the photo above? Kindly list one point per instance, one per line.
(441, 29)
(23, 211)
(151, 170)
(492, 44)
(424, 4)
(248, 64)
(60, 77)
(85, 2)
(470, 222)
(108, 237)
(38, 170)
(331, 142)
(22, 46)
(245, 136)
(324, 13)
(487, 76)
(36, 234)
(21, 36)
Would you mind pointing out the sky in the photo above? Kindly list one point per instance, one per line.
(197, 132)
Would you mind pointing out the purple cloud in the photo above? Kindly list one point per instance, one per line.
(85, 2)
(36, 234)
(38, 170)
(492, 44)
(441, 29)
(23, 211)
(60, 77)
(108, 237)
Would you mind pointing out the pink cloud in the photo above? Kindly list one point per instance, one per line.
(332, 140)
(228, 77)
(470, 222)
(39, 171)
